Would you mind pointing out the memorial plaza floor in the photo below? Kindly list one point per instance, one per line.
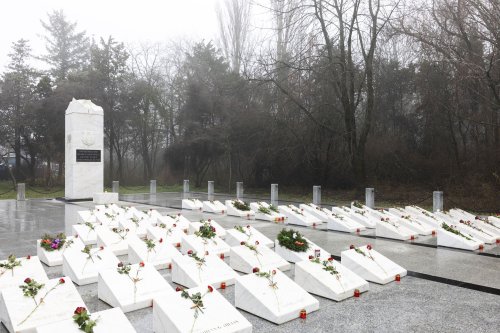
(446, 290)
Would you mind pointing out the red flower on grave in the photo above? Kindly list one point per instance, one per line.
(257, 243)
(174, 225)
(27, 280)
(206, 253)
(209, 220)
(190, 252)
(255, 270)
(62, 281)
(178, 288)
(352, 247)
(274, 272)
(311, 257)
(101, 248)
(161, 240)
(178, 214)
(242, 243)
(248, 226)
(330, 259)
(28, 257)
(210, 289)
(369, 246)
(80, 310)
(141, 264)
(120, 264)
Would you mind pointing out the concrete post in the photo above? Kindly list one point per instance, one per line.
(239, 190)
(21, 191)
(274, 194)
(437, 201)
(317, 195)
(152, 186)
(370, 197)
(211, 190)
(186, 186)
(115, 187)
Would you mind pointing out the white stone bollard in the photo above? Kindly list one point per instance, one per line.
(211, 190)
(274, 194)
(152, 186)
(186, 186)
(21, 191)
(239, 190)
(437, 201)
(370, 197)
(317, 195)
(115, 187)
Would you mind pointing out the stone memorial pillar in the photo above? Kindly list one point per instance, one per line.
(317, 195)
(115, 187)
(186, 186)
(274, 194)
(437, 201)
(239, 190)
(21, 191)
(210, 190)
(370, 197)
(84, 167)
(152, 187)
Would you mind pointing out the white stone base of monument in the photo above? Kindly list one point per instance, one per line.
(251, 235)
(411, 223)
(394, 230)
(313, 278)
(296, 217)
(54, 258)
(219, 230)
(315, 211)
(192, 204)
(85, 234)
(186, 272)
(381, 270)
(86, 216)
(57, 306)
(489, 228)
(172, 235)
(293, 256)
(161, 256)
(344, 224)
(214, 246)
(242, 259)
(138, 229)
(113, 241)
(82, 270)
(104, 198)
(176, 314)
(117, 289)
(480, 235)
(356, 216)
(215, 207)
(271, 217)
(233, 211)
(448, 239)
(29, 268)
(278, 305)
(178, 220)
(108, 321)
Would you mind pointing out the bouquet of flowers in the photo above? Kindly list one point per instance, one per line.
(241, 205)
(49, 243)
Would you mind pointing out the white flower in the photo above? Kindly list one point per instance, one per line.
(294, 235)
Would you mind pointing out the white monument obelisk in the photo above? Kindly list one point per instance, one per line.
(84, 174)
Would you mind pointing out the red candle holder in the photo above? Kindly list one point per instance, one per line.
(223, 285)
(412, 237)
(303, 314)
(481, 247)
(433, 232)
(222, 255)
(169, 266)
(356, 293)
(358, 231)
(397, 278)
(498, 241)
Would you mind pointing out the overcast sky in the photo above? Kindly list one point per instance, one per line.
(130, 21)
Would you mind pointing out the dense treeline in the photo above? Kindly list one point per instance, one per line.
(341, 93)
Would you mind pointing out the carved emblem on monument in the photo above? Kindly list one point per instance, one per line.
(88, 138)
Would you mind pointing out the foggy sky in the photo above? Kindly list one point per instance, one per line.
(128, 21)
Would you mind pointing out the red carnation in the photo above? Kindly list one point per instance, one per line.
(161, 240)
(62, 281)
(311, 257)
(248, 226)
(178, 288)
(120, 264)
(255, 269)
(242, 243)
(174, 225)
(352, 247)
(257, 243)
(190, 252)
(28, 257)
(141, 264)
(369, 247)
(101, 248)
(27, 280)
(210, 289)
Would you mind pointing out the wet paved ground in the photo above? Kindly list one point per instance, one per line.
(415, 304)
